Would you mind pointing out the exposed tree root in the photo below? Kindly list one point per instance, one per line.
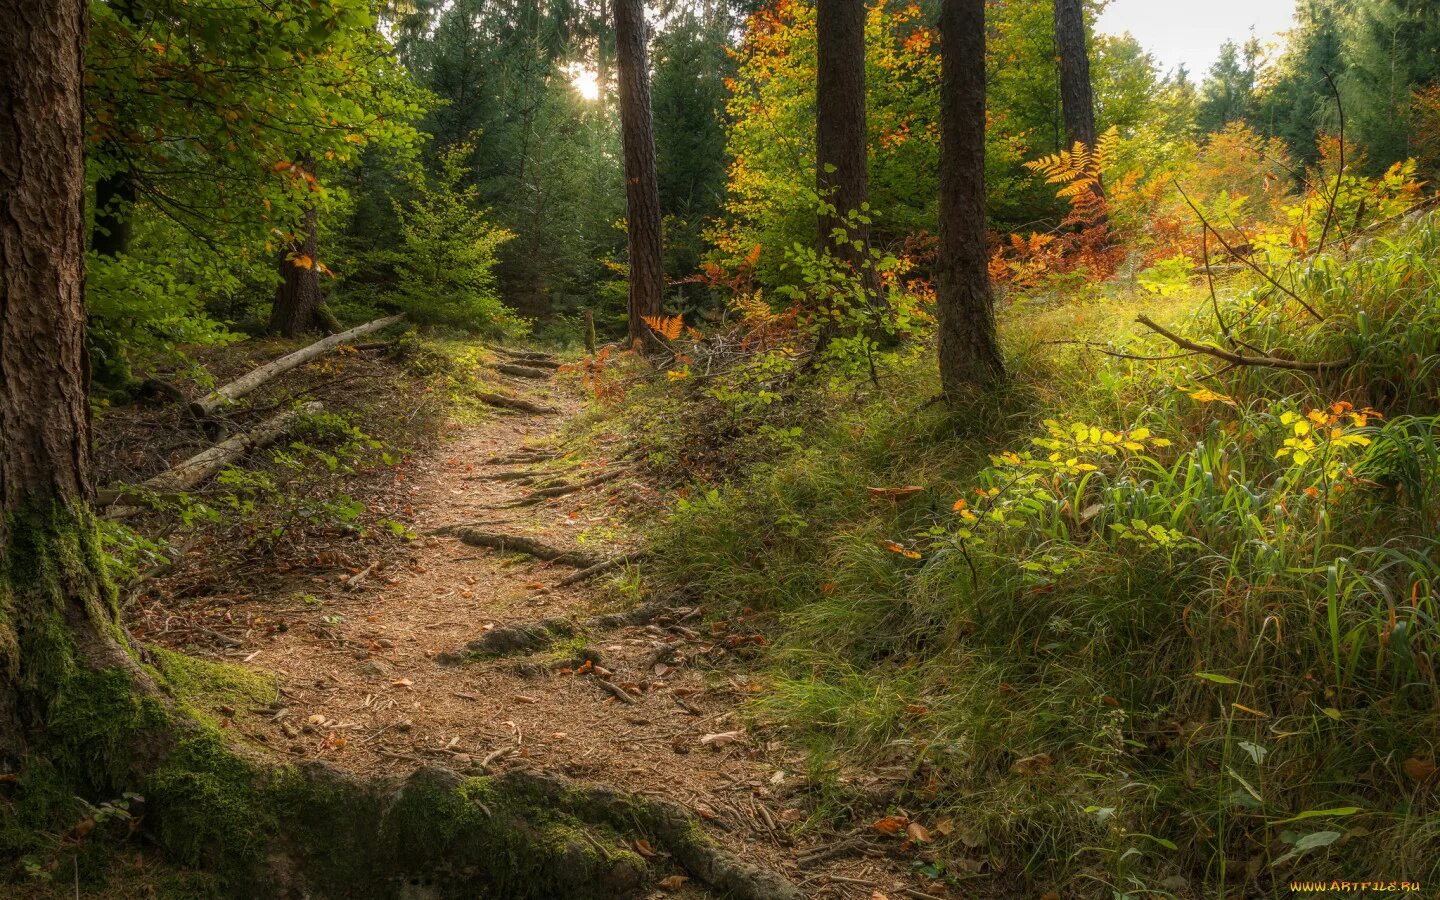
(510, 640)
(519, 371)
(599, 568)
(521, 457)
(501, 401)
(532, 638)
(527, 355)
(563, 489)
(507, 543)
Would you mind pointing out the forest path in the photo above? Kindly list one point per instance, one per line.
(371, 683)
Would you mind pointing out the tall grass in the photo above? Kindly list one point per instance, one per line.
(1214, 666)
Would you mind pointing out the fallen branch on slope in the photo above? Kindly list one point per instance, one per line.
(1236, 359)
(207, 405)
(185, 475)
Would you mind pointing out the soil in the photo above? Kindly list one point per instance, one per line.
(362, 638)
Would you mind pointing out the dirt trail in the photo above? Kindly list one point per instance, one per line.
(365, 683)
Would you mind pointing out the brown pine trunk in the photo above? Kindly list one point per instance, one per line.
(969, 353)
(53, 621)
(841, 176)
(1077, 100)
(642, 191)
(296, 308)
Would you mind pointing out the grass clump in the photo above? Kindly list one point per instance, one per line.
(1144, 620)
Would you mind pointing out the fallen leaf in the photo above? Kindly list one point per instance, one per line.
(791, 815)
(643, 848)
(897, 548)
(945, 826)
(673, 882)
(917, 833)
(402, 682)
(1032, 765)
(894, 493)
(891, 824)
(1421, 770)
(722, 738)
(1050, 895)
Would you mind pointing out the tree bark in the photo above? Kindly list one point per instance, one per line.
(296, 308)
(969, 353)
(55, 624)
(642, 190)
(44, 410)
(1077, 99)
(841, 174)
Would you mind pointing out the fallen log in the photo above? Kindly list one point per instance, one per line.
(519, 371)
(501, 401)
(185, 475)
(207, 405)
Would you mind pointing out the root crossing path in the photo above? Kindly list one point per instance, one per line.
(485, 652)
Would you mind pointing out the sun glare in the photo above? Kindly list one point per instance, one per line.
(586, 82)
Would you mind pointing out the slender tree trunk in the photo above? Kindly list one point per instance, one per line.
(1077, 99)
(969, 353)
(296, 308)
(642, 191)
(841, 176)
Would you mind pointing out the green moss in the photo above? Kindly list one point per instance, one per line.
(204, 686)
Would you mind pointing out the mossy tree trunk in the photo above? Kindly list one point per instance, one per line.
(969, 352)
(57, 628)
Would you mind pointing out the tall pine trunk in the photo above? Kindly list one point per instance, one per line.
(1077, 99)
(642, 190)
(969, 352)
(296, 307)
(841, 176)
(56, 625)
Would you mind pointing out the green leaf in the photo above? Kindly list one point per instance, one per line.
(1320, 813)
(1218, 679)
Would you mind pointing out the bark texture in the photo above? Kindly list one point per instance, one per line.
(969, 353)
(296, 308)
(1077, 100)
(642, 190)
(44, 410)
(841, 174)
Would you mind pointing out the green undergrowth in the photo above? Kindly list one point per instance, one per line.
(1136, 627)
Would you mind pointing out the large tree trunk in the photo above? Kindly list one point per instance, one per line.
(969, 354)
(54, 623)
(642, 191)
(1077, 100)
(296, 308)
(841, 176)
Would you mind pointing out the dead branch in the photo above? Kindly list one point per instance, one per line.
(187, 474)
(1246, 260)
(207, 405)
(1236, 359)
